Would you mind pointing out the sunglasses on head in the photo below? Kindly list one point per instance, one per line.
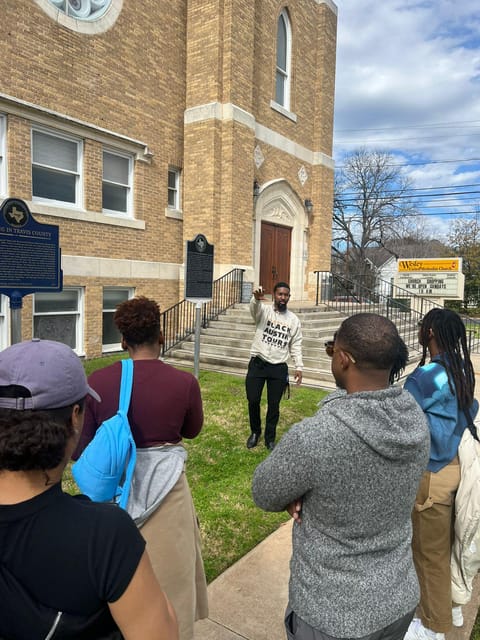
(330, 350)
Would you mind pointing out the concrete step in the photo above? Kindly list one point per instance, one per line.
(312, 359)
(225, 344)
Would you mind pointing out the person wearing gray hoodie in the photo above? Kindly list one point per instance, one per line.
(348, 476)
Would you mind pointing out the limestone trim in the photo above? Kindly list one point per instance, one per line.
(281, 142)
(228, 111)
(91, 266)
(219, 111)
(175, 214)
(82, 215)
(74, 126)
(285, 112)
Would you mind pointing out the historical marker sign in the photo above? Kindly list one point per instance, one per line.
(199, 270)
(29, 252)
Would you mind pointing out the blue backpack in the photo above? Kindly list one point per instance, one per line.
(105, 469)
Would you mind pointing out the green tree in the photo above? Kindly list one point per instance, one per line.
(464, 239)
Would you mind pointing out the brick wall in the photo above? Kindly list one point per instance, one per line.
(135, 80)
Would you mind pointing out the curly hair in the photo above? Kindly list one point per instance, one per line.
(451, 338)
(34, 440)
(138, 320)
(374, 342)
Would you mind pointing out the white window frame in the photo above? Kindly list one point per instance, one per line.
(129, 185)
(4, 321)
(78, 173)
(3, 156)
(285, 74)
(79, 315)
(106, 348)
(177, 206)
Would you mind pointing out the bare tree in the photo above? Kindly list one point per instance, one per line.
(371, 207)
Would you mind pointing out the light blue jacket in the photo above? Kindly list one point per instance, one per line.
(429, 386)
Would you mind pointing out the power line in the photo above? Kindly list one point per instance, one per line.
(421, 163)
(364, 142)
(408, 193)
(438, 125)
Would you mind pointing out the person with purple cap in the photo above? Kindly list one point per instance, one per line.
(69, 567)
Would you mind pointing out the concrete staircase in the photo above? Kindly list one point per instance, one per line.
(225, 344)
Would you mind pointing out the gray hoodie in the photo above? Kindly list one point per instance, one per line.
(357, 463)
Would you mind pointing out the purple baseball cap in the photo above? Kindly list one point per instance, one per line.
(50, 370)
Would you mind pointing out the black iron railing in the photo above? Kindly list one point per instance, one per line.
(400, 305)
(178, 321)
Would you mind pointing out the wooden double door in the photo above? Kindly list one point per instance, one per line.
(275, 246)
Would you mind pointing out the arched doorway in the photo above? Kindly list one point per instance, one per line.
(280, 238)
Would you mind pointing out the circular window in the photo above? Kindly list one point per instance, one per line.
(82, 9)
(85, 16)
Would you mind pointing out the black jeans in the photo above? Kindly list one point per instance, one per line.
(276, 377)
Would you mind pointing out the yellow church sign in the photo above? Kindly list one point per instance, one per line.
(431, 277)
(430, 264)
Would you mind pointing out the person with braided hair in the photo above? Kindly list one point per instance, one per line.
(444, 388)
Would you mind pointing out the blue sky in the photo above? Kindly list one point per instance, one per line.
(408, 82)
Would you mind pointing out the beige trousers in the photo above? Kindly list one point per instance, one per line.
(433, 530)
(173, 544)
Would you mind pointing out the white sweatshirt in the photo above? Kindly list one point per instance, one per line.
(277, 335)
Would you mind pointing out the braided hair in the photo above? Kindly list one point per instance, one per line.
(451, 338)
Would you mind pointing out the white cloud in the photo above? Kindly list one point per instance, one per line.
(408, 82)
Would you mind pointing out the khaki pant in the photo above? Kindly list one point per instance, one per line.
(173, 544)
(433, 531)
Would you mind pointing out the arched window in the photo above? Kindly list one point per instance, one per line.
(82, 9)
(84, 16)
(284, 48)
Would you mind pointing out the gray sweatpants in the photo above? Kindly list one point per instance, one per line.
(297, 629)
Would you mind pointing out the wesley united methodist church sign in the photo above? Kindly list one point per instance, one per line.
(432, 277)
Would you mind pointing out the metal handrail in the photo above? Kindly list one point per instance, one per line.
(402, 306)
(178, 321)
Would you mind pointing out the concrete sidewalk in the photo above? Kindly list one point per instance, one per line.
(248, 600)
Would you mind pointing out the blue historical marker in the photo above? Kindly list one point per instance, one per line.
(29, 251)
(30, 257)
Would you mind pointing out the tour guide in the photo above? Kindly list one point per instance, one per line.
(278, 334)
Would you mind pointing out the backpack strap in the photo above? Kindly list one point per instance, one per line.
(126, 385)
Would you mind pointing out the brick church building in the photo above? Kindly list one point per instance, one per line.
(135, 126)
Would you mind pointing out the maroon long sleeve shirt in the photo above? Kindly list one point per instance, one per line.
(165, 406)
